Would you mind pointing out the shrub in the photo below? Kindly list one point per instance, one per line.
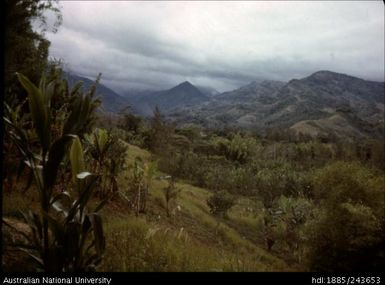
(237, 149)
(348, 232)
(107, 155)
(220, 203)
(141, 178)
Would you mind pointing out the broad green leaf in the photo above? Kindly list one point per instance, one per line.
(37, 106)
(76, 158)
(55, 157)
(102, 138)
(83, 199)
(49, 91)
(42, 84)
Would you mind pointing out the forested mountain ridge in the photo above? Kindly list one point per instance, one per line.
(324, 103)
(319, 98)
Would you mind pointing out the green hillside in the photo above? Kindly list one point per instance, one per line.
(191, 239)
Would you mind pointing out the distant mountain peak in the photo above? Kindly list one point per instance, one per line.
(324, 72)
(185, 83)
(180, 96)
(327, 75)
(186, 88)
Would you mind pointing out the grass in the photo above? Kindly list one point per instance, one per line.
(135, 244)
(212, 244)
(191, 239)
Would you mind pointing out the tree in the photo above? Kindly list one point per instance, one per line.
(131, 123)
(159, 135)
(348, 232)
(26, 50)
(220, 203)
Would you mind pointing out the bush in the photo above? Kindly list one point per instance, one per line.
(107, 155)
(348, 232)
(280, 179)
(220, 203)
(238, 148)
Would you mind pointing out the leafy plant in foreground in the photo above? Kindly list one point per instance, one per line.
(64, 235)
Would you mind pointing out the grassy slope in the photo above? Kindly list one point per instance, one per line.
(191, 239)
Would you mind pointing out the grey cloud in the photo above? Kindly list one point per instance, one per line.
(224, 45)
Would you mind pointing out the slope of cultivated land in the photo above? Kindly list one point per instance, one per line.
(191, 239)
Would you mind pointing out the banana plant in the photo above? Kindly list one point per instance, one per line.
(64, 235)
(100, 144)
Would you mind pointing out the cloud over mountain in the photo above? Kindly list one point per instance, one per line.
(219, 44)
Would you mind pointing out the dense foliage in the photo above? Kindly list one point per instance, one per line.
(65, 235)
(302, 183)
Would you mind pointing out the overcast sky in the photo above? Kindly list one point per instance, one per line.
(219, 44)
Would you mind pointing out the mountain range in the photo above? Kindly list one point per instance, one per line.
(322, 103)
(111, 101)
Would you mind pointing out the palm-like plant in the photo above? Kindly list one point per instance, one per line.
(107, 153)
(64, 235)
